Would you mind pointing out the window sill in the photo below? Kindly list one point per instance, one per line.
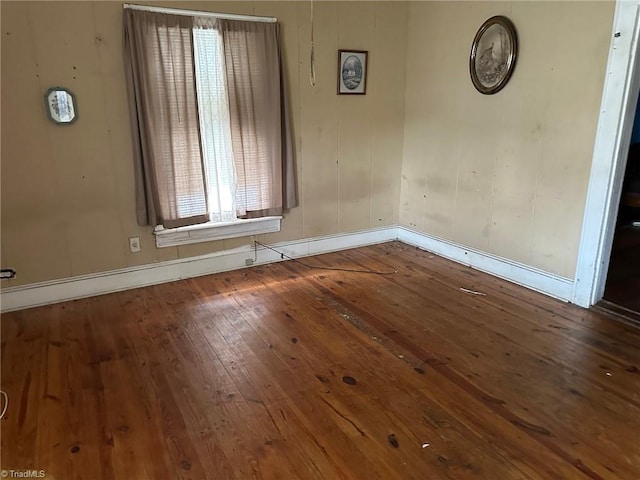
(207, 232)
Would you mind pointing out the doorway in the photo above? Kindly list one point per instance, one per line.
(613, 137)
(622, 288)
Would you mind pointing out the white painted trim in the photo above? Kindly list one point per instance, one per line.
(26, 296)
(613, 135)
(196, 13)
(539, 280)
(206, 232)
(44, 293)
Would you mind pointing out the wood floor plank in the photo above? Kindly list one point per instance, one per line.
(502, 325)
(283, 371)
(512, 394)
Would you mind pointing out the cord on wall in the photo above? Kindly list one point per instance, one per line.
(312, 60)
(318, 267)
(5, 400)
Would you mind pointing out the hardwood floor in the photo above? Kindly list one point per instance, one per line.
(282, 372)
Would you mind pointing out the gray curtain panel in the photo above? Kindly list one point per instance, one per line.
(169, 165)
(290, 181)
(170, 184)
(260, 126)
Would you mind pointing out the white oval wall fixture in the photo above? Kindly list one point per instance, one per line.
(61, 106)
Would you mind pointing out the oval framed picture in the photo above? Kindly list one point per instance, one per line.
(61, 106)
(493, 55)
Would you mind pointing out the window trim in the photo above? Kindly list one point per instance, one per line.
(207, 232)
(200, 13)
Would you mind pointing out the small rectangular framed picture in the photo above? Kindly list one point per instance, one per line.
(352, 72)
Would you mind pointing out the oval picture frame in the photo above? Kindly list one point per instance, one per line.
(62, 108)
(493, 55)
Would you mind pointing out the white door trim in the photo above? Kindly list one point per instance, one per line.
(613, 135)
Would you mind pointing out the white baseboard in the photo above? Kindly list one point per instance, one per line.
(72, 288)
(44, 293)
(530, 277)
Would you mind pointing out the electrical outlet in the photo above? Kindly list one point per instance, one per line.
(134, 244)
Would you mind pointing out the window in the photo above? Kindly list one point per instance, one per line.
(210, 121)
(215, 133)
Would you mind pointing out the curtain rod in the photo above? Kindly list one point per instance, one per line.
(194, 13)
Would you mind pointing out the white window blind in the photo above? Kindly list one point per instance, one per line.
(215, 133)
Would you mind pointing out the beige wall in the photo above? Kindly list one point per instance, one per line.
(505, 173)
(67, 191)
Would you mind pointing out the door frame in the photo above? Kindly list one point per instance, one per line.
(613, 135)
